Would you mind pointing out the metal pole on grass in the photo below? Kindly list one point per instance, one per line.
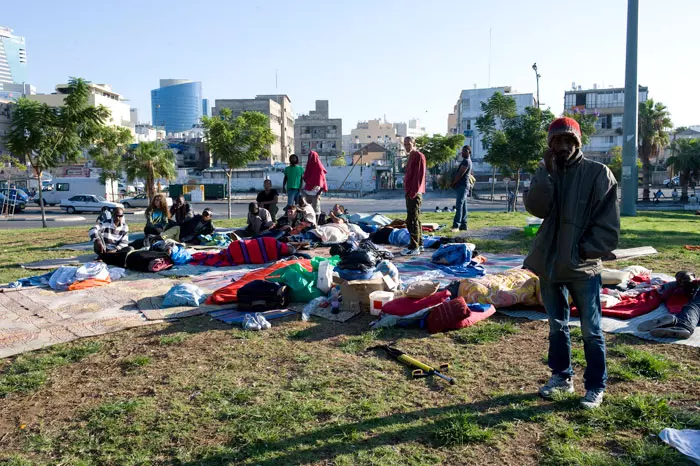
(629, 145)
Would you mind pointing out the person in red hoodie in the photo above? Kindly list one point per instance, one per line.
(414, 187)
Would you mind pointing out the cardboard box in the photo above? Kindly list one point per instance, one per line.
(355, 293)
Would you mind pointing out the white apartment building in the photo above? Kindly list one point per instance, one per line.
(411, 128)
(100, 94)
(610, 105)
(278, 108)
(468, 109)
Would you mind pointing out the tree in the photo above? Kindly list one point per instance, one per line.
(654, 125)
(438, 148)
(615, 164)
(109, 150)
(586, 121)
(149, 161)
(339, 162)
(520, 144)
(46, 136)
(237, 141)
(686, 161)
(494, 111)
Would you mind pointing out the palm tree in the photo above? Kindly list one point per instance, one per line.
(148, 161)
(685, 160)
(654, 125)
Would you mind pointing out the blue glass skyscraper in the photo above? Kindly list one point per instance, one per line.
(176, 104)
(13, 58)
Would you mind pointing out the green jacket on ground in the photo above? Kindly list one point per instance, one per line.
(581, 219)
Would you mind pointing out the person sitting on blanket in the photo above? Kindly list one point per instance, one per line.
(158, 216)
(292, 222)
(306, 211)
(683, 324)
(197, 225)
(110, 235)
(259, 221)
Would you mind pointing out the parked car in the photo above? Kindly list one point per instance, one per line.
(671, 182)
(140, 200)
(87, 203)
(6, 203)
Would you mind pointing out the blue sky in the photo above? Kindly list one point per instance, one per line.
(401, 59)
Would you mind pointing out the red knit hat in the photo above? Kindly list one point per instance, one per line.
(564, 125)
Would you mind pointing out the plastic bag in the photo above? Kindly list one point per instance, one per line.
(325, 277)
(184, 294)
(301, 281)
(180, 255)
(453, 254)
(313, 304)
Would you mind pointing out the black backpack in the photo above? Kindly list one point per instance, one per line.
(262, 295)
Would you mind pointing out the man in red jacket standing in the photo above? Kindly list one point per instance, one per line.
(414, 187)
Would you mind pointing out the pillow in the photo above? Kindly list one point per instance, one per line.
(447, 316)
(615, 277)
(421, 289)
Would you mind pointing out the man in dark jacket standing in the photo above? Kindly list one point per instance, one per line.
(577, 198)
(414, 187)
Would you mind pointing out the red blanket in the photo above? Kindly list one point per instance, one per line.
(248, 251)
(229, 293)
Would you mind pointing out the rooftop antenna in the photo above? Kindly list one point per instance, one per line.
(489, 57)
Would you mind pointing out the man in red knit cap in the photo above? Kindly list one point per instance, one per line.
(577, 198)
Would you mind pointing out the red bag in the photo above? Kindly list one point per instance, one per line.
(406, 306)
(448, 316)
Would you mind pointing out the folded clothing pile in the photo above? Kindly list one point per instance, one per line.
(184, 294)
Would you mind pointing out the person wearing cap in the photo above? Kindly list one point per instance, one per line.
(577, 198)
(195, 226)
(259, 221)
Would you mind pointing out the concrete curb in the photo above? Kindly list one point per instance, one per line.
(49, 219)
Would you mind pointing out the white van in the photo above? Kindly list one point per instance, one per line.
(65, 188)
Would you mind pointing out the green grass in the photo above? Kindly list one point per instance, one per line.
(636, 363)
(461, 429)
(175, 339)
(134, 362)
(28, 372)
(484, 332)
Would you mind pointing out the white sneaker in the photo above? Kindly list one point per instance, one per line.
(410, 252)
(260, 319)
(421, 248)
(556, 384)
(593, 399)
(249, 323)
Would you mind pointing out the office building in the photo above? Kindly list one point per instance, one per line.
(381, 132)
(278, 108)
(468, 109)
(411, 128)
(177, 104)
(134, 116)
(206, 110)
(13, 58)
(610, 105)
(319, 132)
(100, 94)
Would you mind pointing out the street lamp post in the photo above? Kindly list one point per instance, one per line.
(629, 145)
(537, 77)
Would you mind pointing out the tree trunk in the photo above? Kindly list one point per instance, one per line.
(517, 188)
(493, 184)
(41, 198)
(644, 155)
(684, 177)
(228, 176)
(149, 183)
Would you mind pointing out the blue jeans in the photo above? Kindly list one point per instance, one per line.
(292, 195)
(586, 296)
(460, 220)
(689, 317)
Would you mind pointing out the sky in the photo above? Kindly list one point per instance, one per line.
(370, 59)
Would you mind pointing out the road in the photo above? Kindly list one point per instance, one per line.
(386, 202)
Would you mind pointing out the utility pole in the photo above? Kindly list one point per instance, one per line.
(629, 146)
(537, 77)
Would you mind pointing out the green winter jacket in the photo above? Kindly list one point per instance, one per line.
(581, 219)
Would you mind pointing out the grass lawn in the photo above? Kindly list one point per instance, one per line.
(198, 392)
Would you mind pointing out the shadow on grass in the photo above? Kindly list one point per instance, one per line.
(324, 444)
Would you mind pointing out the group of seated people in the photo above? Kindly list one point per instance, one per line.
(111, 233)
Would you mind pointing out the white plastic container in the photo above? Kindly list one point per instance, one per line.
(325, 276)
(377, 300)
(532, 221)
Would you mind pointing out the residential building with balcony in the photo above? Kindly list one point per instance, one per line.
(468, 110)
(318, 132)
(278, 108)
(610, 105)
